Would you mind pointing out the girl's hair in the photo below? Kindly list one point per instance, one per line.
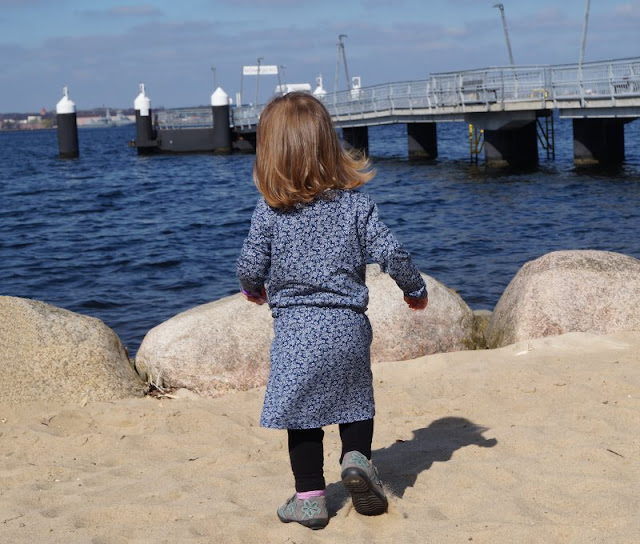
(298, 155)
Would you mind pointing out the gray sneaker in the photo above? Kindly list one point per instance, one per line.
(311, 513)
(361, 479)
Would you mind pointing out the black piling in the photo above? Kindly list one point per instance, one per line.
(67, 127)
(145, 135)
(221, 122)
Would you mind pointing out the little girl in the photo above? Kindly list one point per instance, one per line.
(306, 253)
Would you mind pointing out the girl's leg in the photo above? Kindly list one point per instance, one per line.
(357, 436)
(359, 476)
(307, 458)
(308, 506)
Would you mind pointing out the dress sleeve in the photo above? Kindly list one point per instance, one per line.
(254, 262)
(383, 247)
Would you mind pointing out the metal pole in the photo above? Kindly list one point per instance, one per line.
(582, 48)
(344, 58)
(584, 34)
(335, 84)
(506, 31)
(260, 59)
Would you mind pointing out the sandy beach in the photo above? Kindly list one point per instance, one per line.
(534, 442)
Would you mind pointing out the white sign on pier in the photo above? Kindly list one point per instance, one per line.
(266, 69)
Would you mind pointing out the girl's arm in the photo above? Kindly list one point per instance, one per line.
(385, 249)
(254, 262)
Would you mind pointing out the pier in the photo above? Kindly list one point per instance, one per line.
(509, 110)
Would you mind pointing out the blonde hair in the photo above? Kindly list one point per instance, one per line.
(298, 155)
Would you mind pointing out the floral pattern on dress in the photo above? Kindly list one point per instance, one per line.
(312, 260)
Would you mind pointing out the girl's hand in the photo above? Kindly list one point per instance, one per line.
(417, 303)
(257, 298)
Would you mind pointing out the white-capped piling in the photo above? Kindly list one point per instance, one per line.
(67, 127)
(145, 135)
(221, 121)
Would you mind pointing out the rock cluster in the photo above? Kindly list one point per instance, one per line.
(224, 345)
(47, 352)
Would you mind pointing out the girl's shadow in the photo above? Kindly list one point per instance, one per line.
(400, 463)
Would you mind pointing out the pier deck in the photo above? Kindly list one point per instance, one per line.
(502, 104)
(600, 89)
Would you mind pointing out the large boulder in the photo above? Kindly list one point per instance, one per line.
(568, 291)
(47, 353)
(211, 349)
(224, 345)
(400, 333)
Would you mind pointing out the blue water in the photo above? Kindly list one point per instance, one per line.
(135, 240)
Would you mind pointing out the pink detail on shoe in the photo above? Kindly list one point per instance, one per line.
(310, 494)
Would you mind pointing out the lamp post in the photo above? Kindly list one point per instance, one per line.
(340, 52)
(584, 35)
(506, 32)
(582, 48)
(260, 59)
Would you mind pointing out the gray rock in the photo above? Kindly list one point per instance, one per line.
(53, 354)
(568, 291)
(223, 346)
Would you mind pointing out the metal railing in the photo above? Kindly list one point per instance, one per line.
(184, 118)
(603, 80)
(490, 89)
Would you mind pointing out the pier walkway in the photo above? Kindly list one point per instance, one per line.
(503, 106)
(600, 89)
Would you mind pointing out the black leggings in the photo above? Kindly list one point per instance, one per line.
(307, 454)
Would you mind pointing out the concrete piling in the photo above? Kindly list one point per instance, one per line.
(598, 141)
(357, 138)
(422, 140)
(510, 138)
(511, 147)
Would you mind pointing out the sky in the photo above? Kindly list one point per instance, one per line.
(102, 50)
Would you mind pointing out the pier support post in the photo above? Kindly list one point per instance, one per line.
(422, 140)
(598, 141)
(145, 135)
(67, 127)
(357, 138)
(510, 138)
(221, 124)
(511, 146)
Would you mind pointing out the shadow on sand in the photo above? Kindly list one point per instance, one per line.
(400, 463)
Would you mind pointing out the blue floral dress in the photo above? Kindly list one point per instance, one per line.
(312, 260)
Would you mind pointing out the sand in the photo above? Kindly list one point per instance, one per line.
(534, 442)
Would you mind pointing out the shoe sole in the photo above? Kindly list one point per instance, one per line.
(313, 524)
(367, 500)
